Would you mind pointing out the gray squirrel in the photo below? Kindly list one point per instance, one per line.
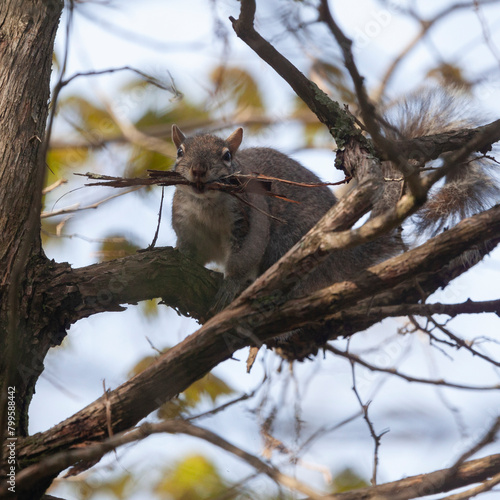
(212, 226)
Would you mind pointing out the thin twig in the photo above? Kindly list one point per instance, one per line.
(31, 474)
(77, 208)
(489, 437)
(155, 237)
(148, 78)
(392, 371)
(425, 27)
(368, 112)
(364, 408)
(54, 185)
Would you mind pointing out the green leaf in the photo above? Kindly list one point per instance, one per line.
(149, 308)
(194, 478)
(90, 117)
(209, 386)
(119, 488)
(348, 480)
(143, 160)
(179, 112)
(62, 160)
(141, 365)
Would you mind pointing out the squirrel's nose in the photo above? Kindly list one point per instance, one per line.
(198, 171)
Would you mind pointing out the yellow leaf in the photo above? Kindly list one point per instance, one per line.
(194, 478)
(347, 480)
(238, 86)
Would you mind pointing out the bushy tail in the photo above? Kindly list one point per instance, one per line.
(469, 187)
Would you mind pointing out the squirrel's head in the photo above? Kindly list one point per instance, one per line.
(204, 158)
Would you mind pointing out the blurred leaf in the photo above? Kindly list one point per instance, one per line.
(149, 308)
(348, 480)
(91, 118)
(450, 75)
(210, 385)
(239, 86)
(116, 246)
(141, 365)
(55, 61)
(180, 112)
(194, 478)
(143, 160)
(119, 488)
(135, 84)
(62, 160)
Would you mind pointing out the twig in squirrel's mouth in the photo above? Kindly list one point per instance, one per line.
(233, 184)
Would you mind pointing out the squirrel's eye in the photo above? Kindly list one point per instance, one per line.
(180, 153)
(226, 156)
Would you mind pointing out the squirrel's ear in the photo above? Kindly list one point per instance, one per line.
(234, 140)
(177, 136)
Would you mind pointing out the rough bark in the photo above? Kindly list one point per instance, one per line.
(439, 481)
(27, 31)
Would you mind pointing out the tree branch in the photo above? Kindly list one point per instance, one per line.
(29, 476)
(341, 124)
(354, 359)
(427, 484)
(183, 284)
(235, 327)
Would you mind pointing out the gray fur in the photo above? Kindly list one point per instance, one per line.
(469, 187)
(214, 226)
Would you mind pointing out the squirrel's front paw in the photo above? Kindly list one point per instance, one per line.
(229, 290)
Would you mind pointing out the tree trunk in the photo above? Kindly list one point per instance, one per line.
(27, 32)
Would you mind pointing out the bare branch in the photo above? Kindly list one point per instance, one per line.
(77, 208)
(51, 465)
(426, 484)
(54, 185)
(364, 409)
(487, 485)
(489, 437)
(340, 123)
(425, 26)
(353, 358)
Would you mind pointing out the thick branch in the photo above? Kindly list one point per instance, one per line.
(471, 472)
(340, 123)
(163, 272)
(244, 321)
(430, 147)
(398, 301)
